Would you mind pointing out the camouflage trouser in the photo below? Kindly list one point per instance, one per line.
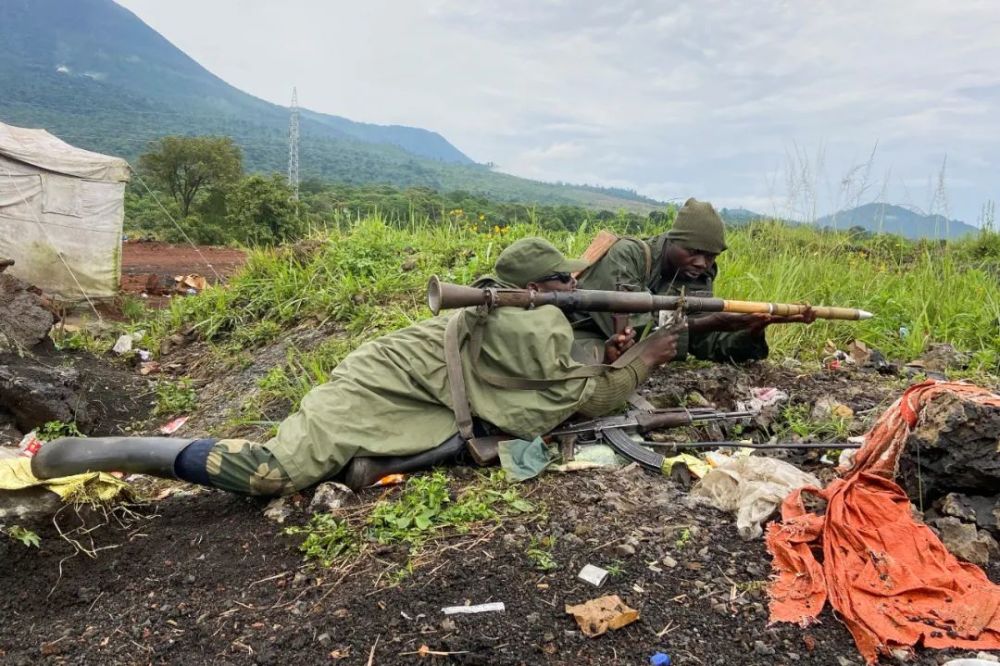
(245, 467)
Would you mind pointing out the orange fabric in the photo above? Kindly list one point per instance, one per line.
(890, 579)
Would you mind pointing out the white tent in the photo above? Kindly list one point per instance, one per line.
(61, 213)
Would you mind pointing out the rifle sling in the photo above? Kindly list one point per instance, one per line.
(456, 380)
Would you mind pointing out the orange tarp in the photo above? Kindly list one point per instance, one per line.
(889, 578)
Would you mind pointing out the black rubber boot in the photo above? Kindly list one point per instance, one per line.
(134, 455)
(363, 472)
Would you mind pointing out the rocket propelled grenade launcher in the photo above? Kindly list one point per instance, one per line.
(445, 296)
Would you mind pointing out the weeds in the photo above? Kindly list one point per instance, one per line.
(174, 398)
(425, 508)
(683, 539)
(798, 421)
(540, 553)
(26, 537)
(55, 429)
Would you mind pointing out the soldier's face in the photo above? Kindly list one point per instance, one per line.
(680, 262)
(556, 282)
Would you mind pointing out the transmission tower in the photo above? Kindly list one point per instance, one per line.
(293, 145)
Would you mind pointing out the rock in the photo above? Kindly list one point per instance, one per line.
(625, 549)
(988, 656)
(958, 506)
(572, 540)
(25, 317)
(448, 624)
(668, 562)
(331, 497)
(408, 265)
(942, 357)
(828, 408)
(763, 649)
(965, 541)
(957, 444)
(24, 505)
(324, 639)
(278, 510)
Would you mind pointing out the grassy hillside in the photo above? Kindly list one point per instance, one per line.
(369, 278)
(94, 74)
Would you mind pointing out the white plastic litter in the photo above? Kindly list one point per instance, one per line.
(593, 575)
(481, 608)
(970, 662)
(123, 345)
(753, 487)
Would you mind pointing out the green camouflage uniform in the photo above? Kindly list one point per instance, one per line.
(391, 396)
(623, 268)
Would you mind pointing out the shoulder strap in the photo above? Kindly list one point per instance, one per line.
(456, 380)
(647, 254)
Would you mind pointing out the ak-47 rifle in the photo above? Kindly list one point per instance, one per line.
(612, 429)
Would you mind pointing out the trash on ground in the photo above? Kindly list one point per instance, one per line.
(659, 659)
(123, 344)
(187, 283)
(753, 487)
(278, 510)
(495, 607)
(30, 444)
(593, 575)
(390, 480)
(173, 426)
(697, 466)
(892, 581)
(15, 474)
(596, 616)
(827, 407)
(523, 460)
(763, 396)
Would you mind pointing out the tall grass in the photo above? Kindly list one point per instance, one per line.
(369, 278)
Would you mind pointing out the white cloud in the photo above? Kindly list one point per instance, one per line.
(708, 95)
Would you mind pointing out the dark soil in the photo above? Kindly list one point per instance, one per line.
(100, 396)
(206, 579)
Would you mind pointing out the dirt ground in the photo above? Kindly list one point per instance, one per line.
(203, 577)
(141, 260)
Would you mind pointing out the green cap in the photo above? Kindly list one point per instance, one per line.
(528, 259)
(698, 227)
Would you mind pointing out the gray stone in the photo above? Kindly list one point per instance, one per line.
(965, 541)
(958, 506)
(278, 510)
(763, 649)
(332, 497)
(668, 562)
(28, 504)
(25, 319)
(625, 549)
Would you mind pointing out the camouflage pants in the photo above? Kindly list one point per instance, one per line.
(245, 467)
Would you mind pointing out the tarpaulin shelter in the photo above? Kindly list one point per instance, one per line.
(61, 214)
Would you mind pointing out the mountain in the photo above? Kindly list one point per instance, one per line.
(891, 219)
(95, 75)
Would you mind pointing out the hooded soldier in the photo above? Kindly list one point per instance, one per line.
(404, 402)
(682, 260)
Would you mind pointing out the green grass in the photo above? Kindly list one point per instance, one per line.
(425, 508)
(355, 283)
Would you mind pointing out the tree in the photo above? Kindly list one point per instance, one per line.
(184, 166)
(261, 210)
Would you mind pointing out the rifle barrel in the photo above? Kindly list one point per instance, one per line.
(444, 296)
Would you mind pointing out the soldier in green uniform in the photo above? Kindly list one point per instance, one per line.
(403, 402)
(681, 260)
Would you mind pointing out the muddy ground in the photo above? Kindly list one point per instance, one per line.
(203, 577)
(146, 263)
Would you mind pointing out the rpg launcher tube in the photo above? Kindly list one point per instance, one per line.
(445, 296)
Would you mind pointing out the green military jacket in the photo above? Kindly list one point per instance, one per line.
(391, 396)
(624, 268)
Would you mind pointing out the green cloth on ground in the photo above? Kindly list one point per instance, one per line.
(15, 474)
(391, 396)
(523, 460)
(623, 267)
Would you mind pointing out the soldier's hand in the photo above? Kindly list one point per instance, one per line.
(617, 344)
(659, 349)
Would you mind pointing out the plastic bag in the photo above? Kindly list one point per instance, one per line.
(753, 487)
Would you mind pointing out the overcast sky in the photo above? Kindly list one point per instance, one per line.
(775, 106)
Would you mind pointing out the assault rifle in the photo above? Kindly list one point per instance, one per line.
(612, 430)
